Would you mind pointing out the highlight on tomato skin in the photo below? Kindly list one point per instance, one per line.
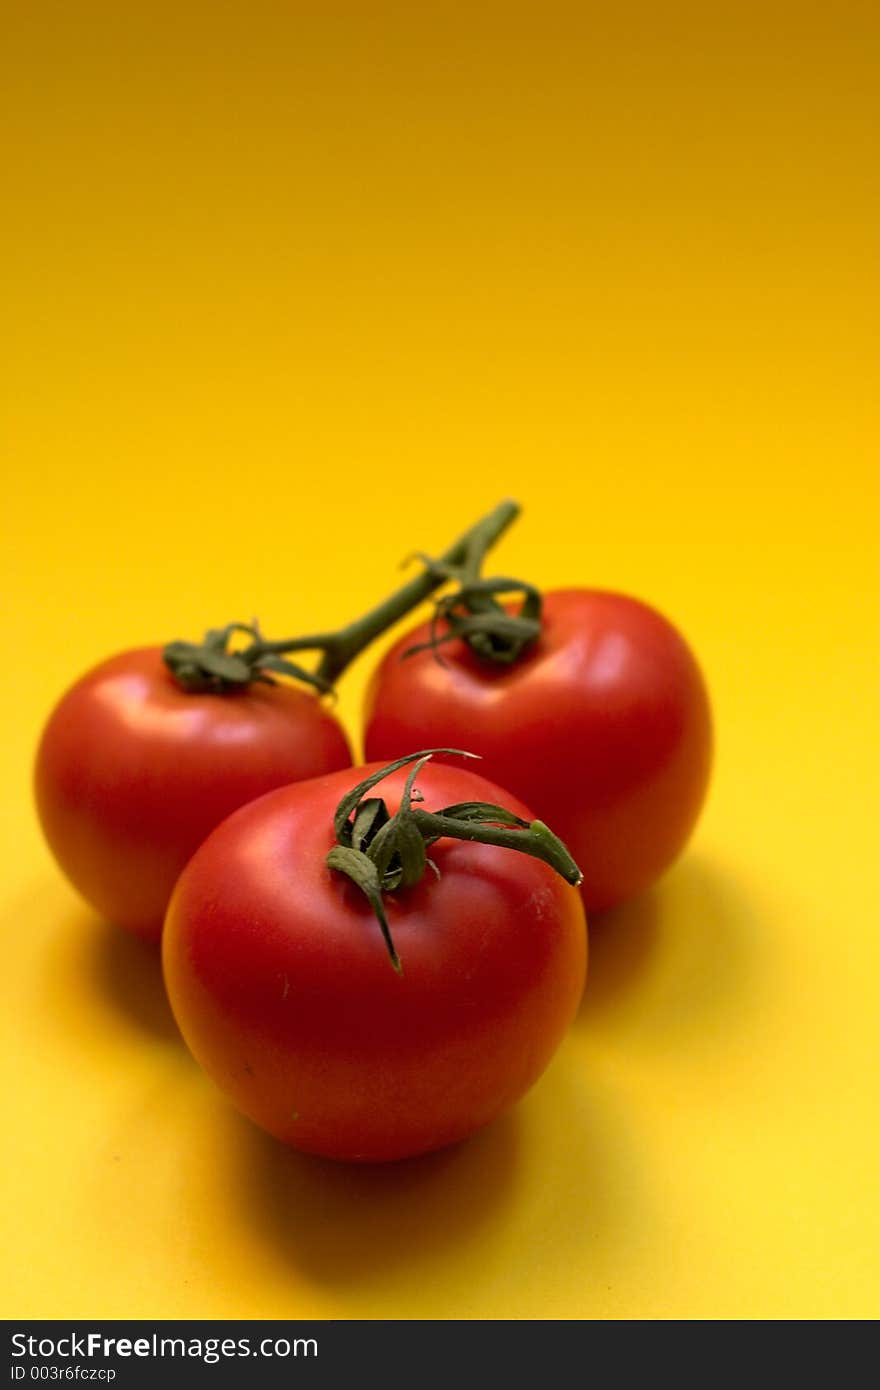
(132, 773)
(601, 724)
(281, 982)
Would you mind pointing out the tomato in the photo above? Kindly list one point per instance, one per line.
(133, 772)
(602, 726)
(280, 980)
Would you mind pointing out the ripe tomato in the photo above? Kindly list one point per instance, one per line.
(133, 772)
(280, 980)
(602, 726)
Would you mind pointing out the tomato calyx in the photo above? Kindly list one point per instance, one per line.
(381, 853)
(210, 666)
(472, 612)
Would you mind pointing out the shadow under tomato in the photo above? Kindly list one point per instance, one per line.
(622, 941)
(129, 973)
(342, 1222)
(91, 960)
(685, 957)
(553, 1186)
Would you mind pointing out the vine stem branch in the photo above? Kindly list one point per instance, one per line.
(210, 666)
(351, 640)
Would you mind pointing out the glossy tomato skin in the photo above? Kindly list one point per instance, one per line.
(281, 983)
(132, 773)
(603, 727)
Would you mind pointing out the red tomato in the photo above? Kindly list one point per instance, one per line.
(133, 772)
(602, 726)
(281, 983)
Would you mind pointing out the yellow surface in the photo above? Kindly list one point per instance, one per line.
(294, 288)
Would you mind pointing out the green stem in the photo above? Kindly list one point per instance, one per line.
(209, 666)
(535, 839)
(351, 641)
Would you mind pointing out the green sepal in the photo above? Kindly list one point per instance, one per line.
(363, 873)
(291, 668)
(201, 666)
(356, 795)
(485, 812)
(473, 614)
(369, 818)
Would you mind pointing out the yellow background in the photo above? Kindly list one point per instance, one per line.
(291, 289)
